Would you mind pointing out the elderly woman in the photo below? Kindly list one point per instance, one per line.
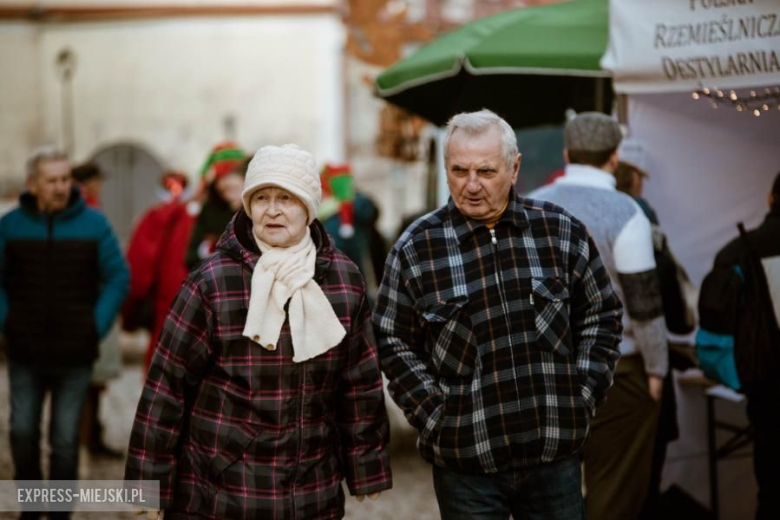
(264, 390)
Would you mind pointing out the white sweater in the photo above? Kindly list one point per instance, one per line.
(624, 239)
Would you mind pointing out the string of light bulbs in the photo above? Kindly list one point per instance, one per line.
(756, 102)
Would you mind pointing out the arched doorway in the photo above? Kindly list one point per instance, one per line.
(131, 184)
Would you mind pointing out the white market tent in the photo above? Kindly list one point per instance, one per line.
(709, 168)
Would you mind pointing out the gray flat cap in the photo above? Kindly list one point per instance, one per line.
(592, 132)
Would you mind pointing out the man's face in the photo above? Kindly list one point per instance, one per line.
(477, 174)
(51, 187)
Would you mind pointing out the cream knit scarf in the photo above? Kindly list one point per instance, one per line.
(287, 273)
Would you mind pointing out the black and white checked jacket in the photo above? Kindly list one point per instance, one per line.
(498, 344)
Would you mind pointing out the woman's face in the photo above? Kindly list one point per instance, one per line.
(230, 187)
(279, 218)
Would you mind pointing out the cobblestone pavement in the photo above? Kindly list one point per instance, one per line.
(412, 497)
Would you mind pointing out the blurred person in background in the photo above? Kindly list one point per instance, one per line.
(63, 280)
(740, 309)
(350, 218)
(264, 390)
(222, 179)
(619, 453)
(89, 178)
(680, 319)
(156, 255)
(631, 181)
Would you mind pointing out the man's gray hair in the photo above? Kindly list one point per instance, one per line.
(43, 153)
(475, 123)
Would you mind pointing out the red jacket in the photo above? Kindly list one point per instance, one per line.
(156, 257)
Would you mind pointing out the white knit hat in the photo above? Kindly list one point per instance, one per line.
(288, 167)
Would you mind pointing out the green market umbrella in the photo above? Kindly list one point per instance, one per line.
(529, 65)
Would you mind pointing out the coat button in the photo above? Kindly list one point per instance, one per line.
(271, 346)
(256, 338)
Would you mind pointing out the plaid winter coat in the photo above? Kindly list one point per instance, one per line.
(232, 430)
(498, 343)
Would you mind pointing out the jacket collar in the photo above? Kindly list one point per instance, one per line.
(514, 215)
(29, 203)
(589, 176)
(238, 243)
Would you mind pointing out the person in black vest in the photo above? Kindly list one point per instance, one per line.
(62, 280)
(751, 265)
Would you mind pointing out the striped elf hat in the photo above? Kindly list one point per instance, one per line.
(338, 182)
(223, 158)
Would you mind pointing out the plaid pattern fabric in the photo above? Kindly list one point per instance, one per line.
(498, 350)
(232, 430)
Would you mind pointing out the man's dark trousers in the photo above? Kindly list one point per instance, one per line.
(68, 386)
(550, 491)
(763, 413)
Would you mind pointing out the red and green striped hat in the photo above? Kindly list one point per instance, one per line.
(223, 158)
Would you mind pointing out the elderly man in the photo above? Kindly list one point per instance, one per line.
(498, 330)
(62, 282)
(618, 459)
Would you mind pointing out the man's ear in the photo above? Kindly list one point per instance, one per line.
(771, 200)
(566, 156)
(518, 161)
(32, 186)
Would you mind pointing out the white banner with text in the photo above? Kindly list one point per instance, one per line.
(683, 45)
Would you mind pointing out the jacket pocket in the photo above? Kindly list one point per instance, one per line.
(550, 298)
(233, 450)
(449, 333)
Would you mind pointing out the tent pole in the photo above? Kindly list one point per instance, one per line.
(599, 95)
(622, 109)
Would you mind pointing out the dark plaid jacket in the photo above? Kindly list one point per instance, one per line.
(498, 345)
(232, 430)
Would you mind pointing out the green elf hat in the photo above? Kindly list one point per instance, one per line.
(223, 158)
(338, 182)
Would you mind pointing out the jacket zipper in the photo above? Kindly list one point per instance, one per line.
(505, 308)
(500, 284)
(50, 261)
(300, 439)
(50, 229)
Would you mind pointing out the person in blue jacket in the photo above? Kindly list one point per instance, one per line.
(62, 280)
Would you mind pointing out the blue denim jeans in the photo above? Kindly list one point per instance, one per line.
(551, 491)
(68, 386)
